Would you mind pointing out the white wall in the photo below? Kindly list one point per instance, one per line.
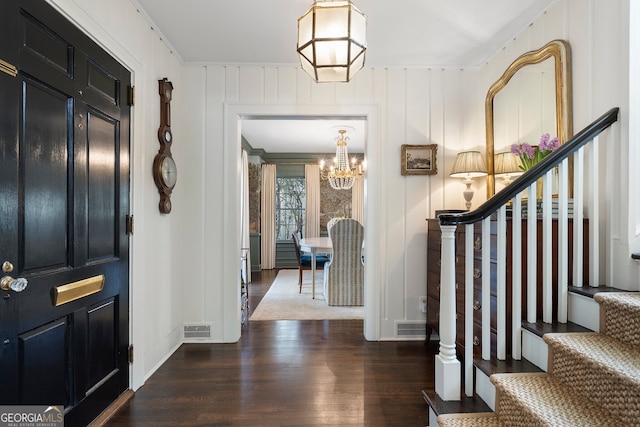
(410, 107)
(632, 9)
(184, 264)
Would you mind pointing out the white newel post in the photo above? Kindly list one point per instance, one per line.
(447, 366)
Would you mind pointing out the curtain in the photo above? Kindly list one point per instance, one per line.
(312, 208)
(357, 200)
(268, 218)
(244, 219)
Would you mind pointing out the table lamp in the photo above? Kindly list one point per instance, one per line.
(469, 165)
(507, 165)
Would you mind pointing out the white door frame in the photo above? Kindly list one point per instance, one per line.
(374, 233)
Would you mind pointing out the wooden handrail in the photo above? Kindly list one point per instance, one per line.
(537, 171)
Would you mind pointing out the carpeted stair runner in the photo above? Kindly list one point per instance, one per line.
(537, 399)
(593, 378)
(620, 316)
(599, 368)
(480, 419)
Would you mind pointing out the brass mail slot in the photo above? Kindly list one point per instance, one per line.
(8, 68)
(72, 291)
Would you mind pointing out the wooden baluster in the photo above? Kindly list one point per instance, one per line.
(501, 284)
(563, 237)
(516, 277)
(486, 288)
(468, 310)
(547, 249)
(594, 214)
(532, 231)
(578, 217)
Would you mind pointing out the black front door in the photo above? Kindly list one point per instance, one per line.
(64, 197)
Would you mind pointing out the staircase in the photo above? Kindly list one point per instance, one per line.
(557, 347)
(593, 378)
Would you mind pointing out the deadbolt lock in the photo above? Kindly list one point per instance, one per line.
(7, 267)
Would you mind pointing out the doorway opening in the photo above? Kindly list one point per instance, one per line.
(289, 145)
(235, 118)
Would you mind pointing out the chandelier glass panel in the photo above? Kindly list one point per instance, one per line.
(332, 41)
(342, 174)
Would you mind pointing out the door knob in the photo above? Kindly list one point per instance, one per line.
(8, 283)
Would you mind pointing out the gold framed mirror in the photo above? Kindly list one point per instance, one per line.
(532, 97)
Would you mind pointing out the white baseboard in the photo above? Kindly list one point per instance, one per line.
(584, 311)
(485, 389)
(535, 349)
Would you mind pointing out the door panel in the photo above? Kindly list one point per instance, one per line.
(102, 211)
(64, 168)
(44, 48)
(45, 200)
(43, 351)
(101, 342)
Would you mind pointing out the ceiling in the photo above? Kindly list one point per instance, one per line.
(303, 135)
(400, 33)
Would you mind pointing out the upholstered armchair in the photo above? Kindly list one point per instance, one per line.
(344, 273)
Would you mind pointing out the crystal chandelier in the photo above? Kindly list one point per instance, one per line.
(332, 40)
(341, 175)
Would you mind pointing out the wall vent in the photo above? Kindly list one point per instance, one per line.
(411, 329)
(197, 331)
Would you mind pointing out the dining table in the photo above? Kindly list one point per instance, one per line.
(315, 245)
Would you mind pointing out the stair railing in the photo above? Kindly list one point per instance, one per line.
(495, 210)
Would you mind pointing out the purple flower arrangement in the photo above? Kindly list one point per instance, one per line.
(532, 154)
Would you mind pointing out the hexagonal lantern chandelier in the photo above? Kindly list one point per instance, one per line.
(332, 41)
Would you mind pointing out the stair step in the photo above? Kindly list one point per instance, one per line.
(464, 405)
(495, 366)
(620, 316)
(591, 291)
(485, 368)
(540, 328)
(529, 399)
(600, 368)
(479, 419)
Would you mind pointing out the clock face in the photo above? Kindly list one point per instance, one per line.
(167, 94)
(169, 172)
(167, 135)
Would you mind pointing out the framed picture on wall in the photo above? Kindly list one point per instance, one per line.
(419, 159)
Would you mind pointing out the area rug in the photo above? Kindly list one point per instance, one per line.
(283, 302)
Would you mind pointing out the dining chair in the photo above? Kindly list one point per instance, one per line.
(344, 273)
(304, 260)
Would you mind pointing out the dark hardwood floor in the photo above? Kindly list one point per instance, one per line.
(288, 373)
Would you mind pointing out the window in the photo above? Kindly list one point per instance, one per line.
(290, 206)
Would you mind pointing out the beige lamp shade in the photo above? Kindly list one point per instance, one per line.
(507, 164)
(469, 164)
(332, 41)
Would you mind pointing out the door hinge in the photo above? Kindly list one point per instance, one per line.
(8, 68)
(129, 224)
(131, 354)
(131, 95)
